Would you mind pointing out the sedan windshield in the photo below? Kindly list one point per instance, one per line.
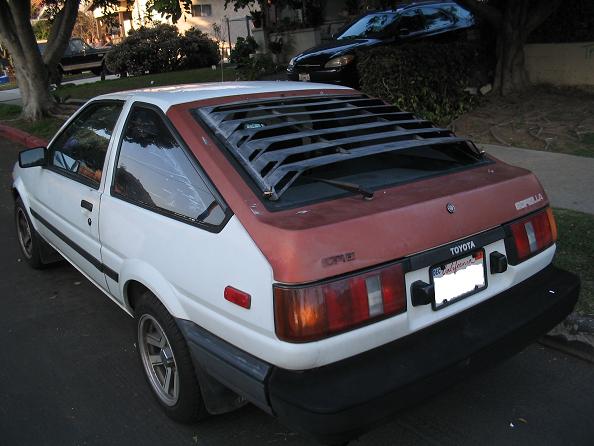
(372, 25)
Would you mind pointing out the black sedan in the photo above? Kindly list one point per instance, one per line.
(334, 62)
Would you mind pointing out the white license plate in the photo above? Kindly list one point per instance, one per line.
(458, 279)
(304, 77)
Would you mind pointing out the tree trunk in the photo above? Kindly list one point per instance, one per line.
(31, 69)
(510, 72)
(34, 87)
(513, 20)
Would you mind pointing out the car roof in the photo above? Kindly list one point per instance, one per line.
(167, 96)
(413, 4)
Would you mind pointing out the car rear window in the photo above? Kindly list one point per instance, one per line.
(294, 151)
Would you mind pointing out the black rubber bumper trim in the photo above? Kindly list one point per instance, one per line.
(337, 402)
(241, 372)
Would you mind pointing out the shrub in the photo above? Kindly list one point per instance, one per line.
(153, 50)
(41, 29)
(426, 78)
(240, 54)
(254, 69)
(198, 50)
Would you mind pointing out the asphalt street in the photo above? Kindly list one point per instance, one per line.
(69, 376)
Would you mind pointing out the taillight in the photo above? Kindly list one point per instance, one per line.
(314, 312)
(530, 235)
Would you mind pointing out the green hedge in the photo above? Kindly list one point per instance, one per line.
(426, 78)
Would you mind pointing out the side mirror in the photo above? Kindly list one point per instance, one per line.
(403, 32)
(33, 157)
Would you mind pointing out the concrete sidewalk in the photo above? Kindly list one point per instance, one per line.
(568, 180)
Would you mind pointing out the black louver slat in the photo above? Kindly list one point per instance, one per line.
(277, 140)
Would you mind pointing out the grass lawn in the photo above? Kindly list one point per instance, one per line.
(44, 128)
(575, 252)
(87, 91)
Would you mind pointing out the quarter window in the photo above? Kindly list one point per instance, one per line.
(154, 171)
(79, 151)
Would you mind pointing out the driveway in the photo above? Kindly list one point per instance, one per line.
(69, 376)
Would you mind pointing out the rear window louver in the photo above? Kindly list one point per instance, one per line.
(276, 140)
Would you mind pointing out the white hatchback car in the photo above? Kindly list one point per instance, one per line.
(309, 249)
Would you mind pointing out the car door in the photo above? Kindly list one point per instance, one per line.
(66, 196)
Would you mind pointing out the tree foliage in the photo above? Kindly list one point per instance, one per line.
(34, 70)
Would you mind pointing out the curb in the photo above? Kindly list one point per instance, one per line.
(21, 137)
(574, 336)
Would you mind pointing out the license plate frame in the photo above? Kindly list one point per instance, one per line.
(439, 302)
(304, 77)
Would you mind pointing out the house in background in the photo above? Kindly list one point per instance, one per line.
(291, 30)
(202, 15)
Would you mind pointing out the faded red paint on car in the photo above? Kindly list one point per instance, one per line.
(398, 222)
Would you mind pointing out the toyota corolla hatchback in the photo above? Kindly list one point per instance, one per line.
(311, 250)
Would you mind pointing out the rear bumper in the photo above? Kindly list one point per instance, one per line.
(339, 401)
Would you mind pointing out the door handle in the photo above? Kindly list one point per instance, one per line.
(86, 205)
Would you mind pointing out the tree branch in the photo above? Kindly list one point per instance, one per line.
(60, 33)
(489, 13)
(539, 12)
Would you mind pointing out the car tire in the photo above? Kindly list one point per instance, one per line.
(166, 361)
(27, 237)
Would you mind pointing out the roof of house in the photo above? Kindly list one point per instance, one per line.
(167, 96)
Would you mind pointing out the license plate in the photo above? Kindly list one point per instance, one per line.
(304, 77)
(458, 279)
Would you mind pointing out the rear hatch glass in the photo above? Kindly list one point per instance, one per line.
(300, 150)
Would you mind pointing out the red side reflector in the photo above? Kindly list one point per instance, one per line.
(238, 297)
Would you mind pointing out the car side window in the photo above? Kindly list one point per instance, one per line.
(155, 171)
(76, 46)
(436, 19)
(79, 151)
(411, 21)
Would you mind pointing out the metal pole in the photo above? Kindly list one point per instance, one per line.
(222, 55)
(229, 34)
(247, 25)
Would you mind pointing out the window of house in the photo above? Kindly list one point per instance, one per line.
(201, 10)
(154, 171)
